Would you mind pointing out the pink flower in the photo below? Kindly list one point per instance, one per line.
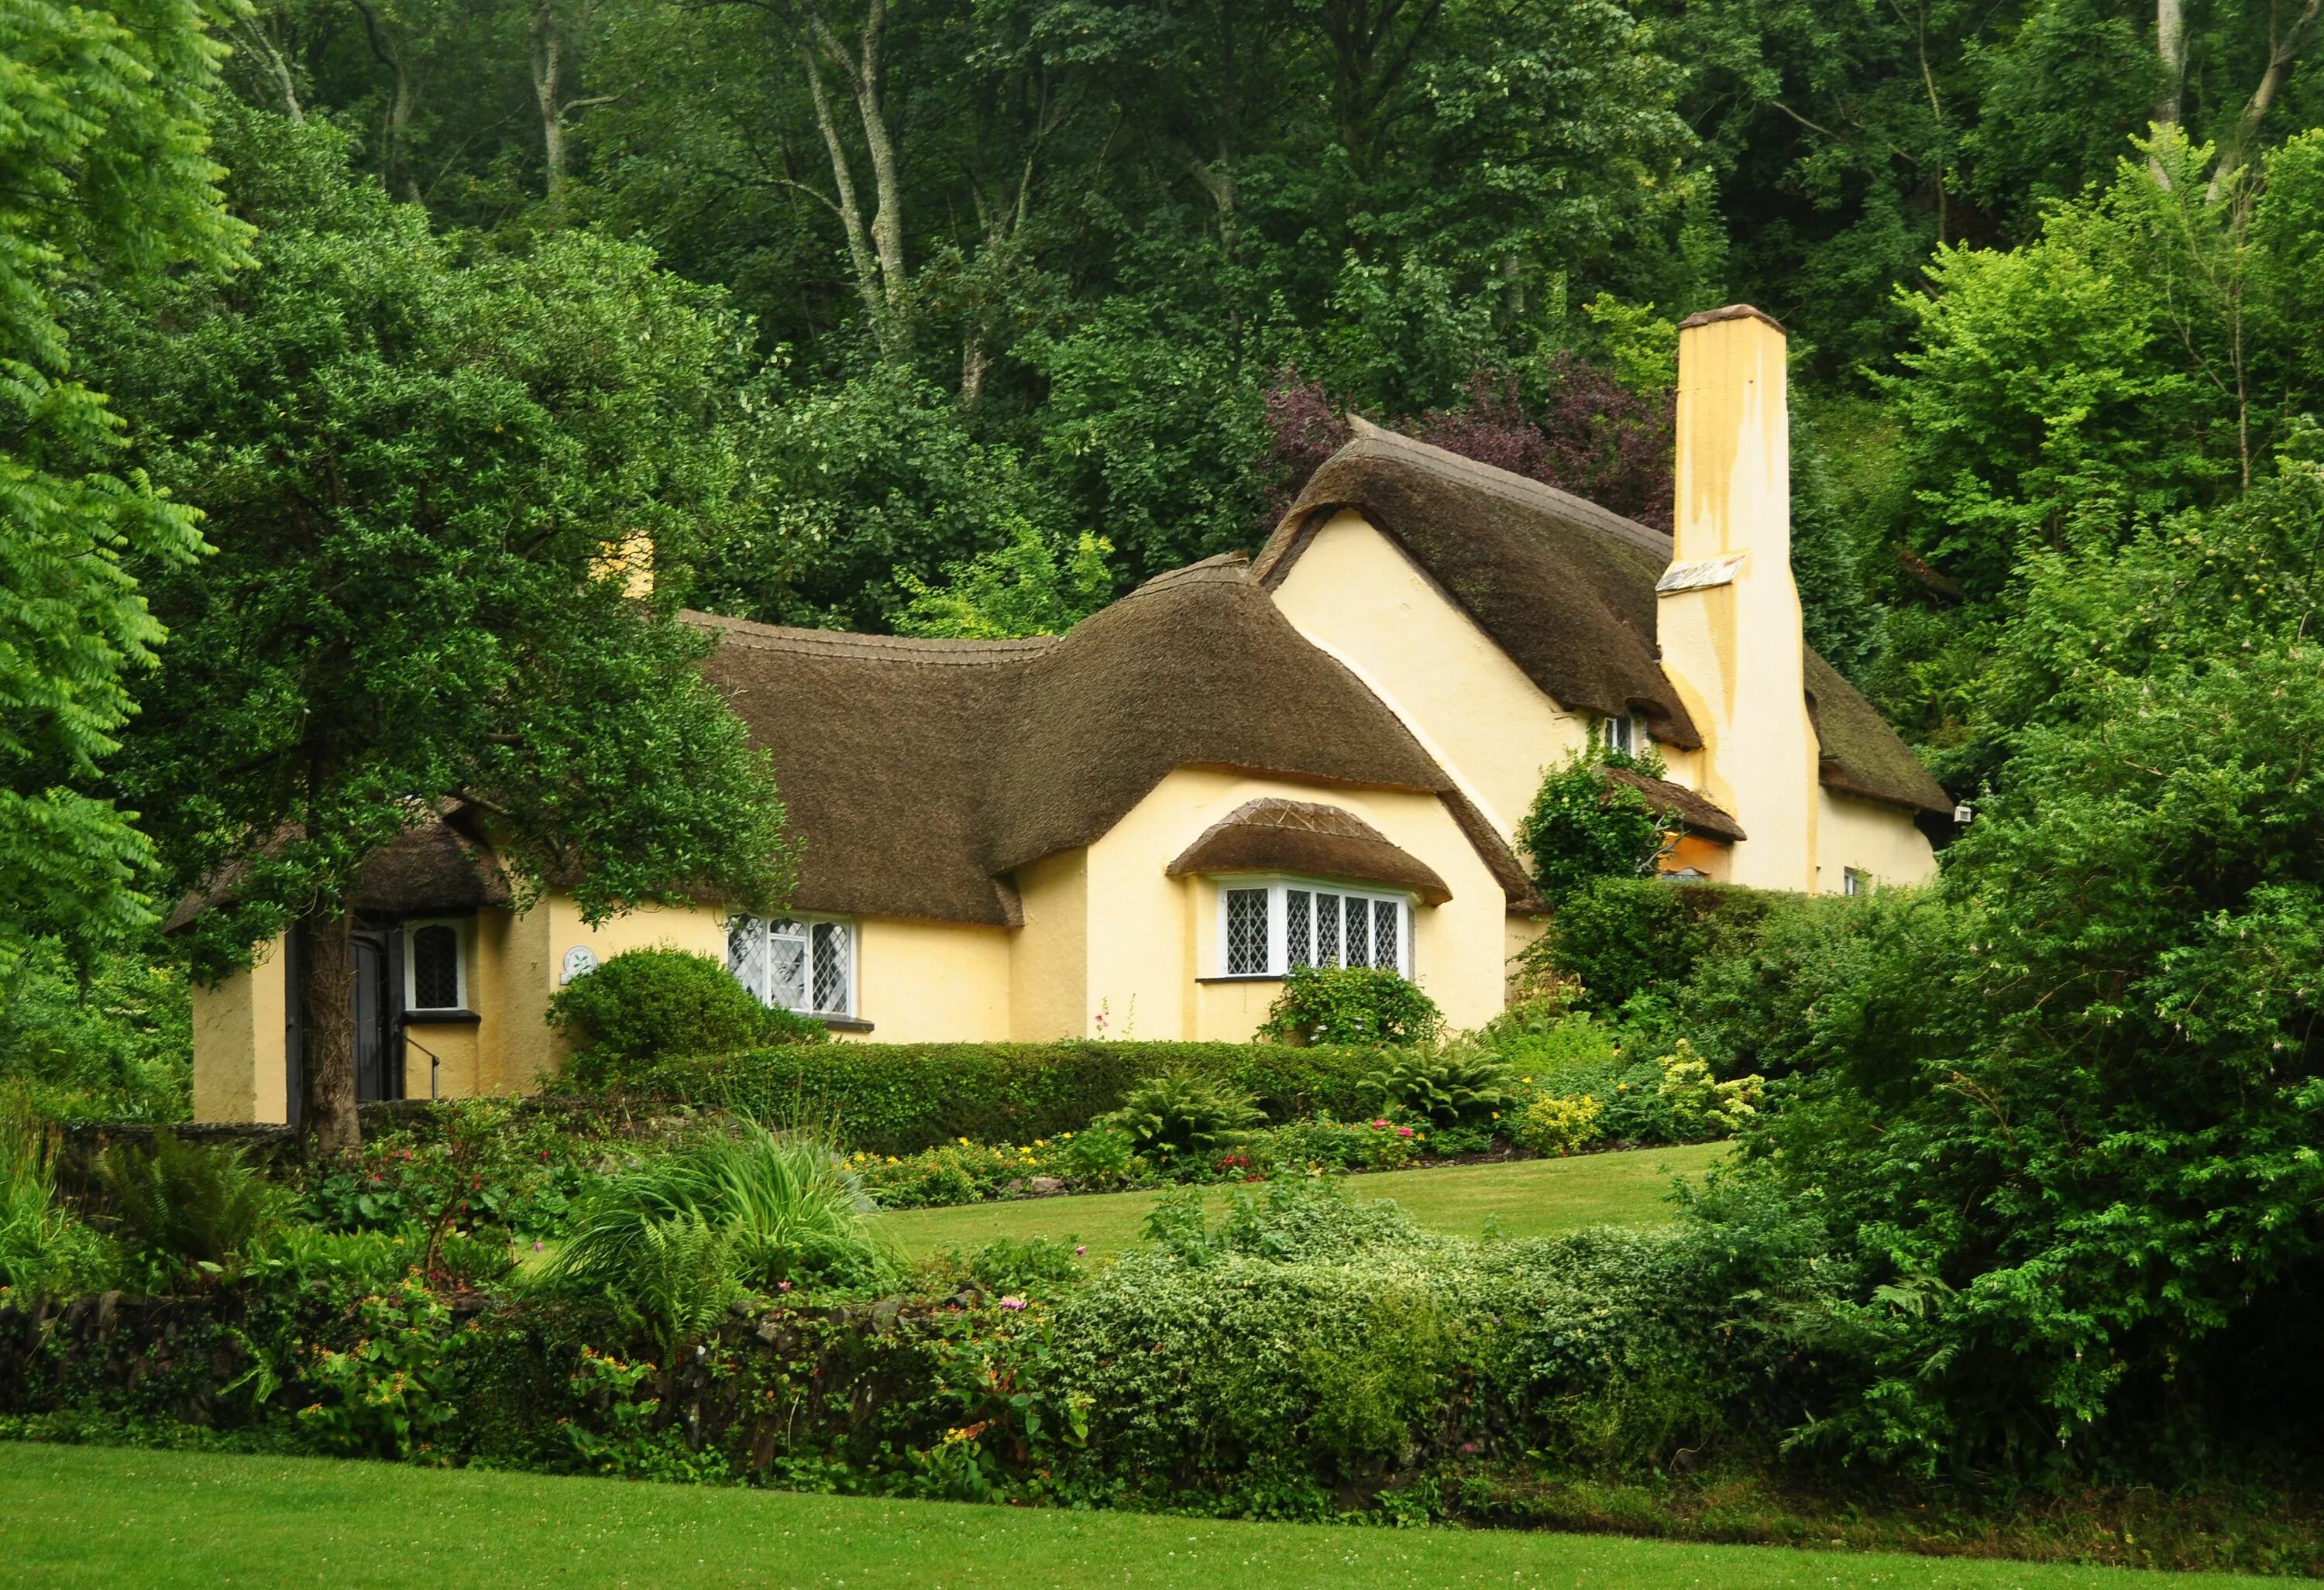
(1080, 1251)
(782, 1286)
(1012, 1302)
(1404, 1130)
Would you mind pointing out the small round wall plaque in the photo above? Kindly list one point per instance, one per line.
(579, 962)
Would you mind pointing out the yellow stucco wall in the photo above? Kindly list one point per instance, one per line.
(1049, 961)
(926, 982)
(1354, 593)
(519, 1049)
(239, 1030)
(1151, 937)
(1870, 837)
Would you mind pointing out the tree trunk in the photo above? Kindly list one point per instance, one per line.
(327, 1003)
(394, 174)
(547, 93)
(253, 37)
(2282, 48)
(2171, 44)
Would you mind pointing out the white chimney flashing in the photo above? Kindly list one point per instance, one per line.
(1700, 574)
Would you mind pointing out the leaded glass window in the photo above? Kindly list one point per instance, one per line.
(1247, 946)
(795, 965)
(1268, 930)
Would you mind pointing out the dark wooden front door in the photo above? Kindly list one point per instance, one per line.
(379, 1020)
(377, 1004)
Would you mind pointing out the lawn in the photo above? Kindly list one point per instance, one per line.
(108, 1516)
(1527, 1198)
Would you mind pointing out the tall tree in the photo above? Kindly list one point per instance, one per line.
(104, 175)
(430, 484)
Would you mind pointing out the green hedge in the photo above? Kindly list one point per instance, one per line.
(902, 1097)
(1627, 936)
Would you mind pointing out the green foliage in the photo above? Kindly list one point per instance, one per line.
(186, 1209)
(43, 1247)
(1560, 1124)
(672, 1238)
(901, 1097)
(1700, 1105)
(393, 1393)
(1015, 590)
(1623, 937)
(645, 1005)
(1582, 826)
(1351, 1005)
(1181, 1115)
(414, 468)
(1460, 1084)
(110, 1037)
(106, 144)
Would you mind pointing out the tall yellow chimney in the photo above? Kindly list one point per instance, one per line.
(1726, 613)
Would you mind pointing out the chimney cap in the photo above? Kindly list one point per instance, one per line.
(1731, 312)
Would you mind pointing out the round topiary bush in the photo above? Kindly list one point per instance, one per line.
(644, 1006)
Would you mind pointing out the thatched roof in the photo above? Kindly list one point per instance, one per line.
(431, 869)
(920, 775)
(1698, 814)
(1567, 590)
(1273, 835)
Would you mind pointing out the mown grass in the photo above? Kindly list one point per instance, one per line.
(1522, 1198)
(107, 1516)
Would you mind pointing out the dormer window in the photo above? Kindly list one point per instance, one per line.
(1624, 733)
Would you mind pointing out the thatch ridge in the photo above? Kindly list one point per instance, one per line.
(917, 784)
(1565, 588)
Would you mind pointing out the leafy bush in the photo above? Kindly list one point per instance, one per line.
(1351, 1005)
(1584, 827)
(185, 1206)
(43, 1247)
(642, 1005)
(1463, 1084)
(1558, 1125)
(1700, 1105)
(111, 1040)
(672, 1238)
(898, 1098)
(1178, 1117)
(1624, 937)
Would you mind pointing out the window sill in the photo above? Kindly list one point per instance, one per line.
(423, 1018)
(1245, 977)
(839, 1023)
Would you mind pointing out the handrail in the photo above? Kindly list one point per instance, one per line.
(434, 1064)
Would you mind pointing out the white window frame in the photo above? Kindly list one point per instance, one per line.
(806, 924)
(1626, 733)
(1278, 886)
(1855, 881)
(460, 928)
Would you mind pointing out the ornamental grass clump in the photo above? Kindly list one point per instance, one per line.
(677, 1238)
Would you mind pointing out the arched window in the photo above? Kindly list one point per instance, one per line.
(434, 951)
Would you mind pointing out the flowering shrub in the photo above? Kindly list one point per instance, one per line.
(392, 1391)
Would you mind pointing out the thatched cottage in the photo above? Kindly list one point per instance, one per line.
(1320, 756)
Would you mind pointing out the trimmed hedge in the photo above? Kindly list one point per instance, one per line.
(902, 1097)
